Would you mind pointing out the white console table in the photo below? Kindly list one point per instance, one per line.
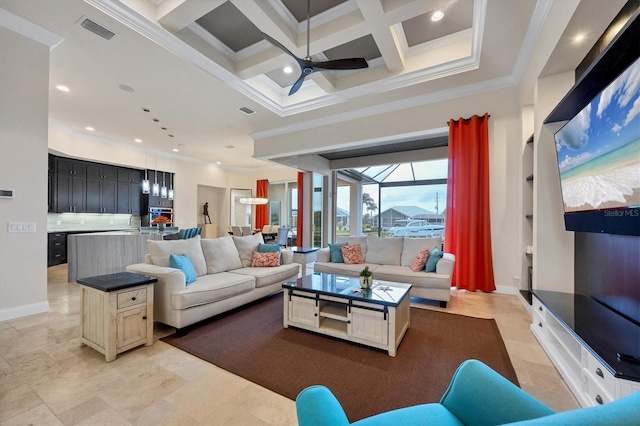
(582, 338)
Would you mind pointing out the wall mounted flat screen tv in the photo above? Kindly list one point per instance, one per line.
(598, 155)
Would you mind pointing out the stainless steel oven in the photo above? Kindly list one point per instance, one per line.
(154, 212)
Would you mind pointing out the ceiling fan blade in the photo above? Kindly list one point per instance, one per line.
(342, 64)
(297, 84)
(277, 44)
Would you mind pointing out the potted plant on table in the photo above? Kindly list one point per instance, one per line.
(366, 278)
(161, 221)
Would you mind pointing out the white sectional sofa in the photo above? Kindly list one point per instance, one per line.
(390, 260)
(225, 278)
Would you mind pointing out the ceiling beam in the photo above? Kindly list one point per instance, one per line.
(175, 15)
(383, 34)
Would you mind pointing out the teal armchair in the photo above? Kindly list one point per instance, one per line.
(477, 395)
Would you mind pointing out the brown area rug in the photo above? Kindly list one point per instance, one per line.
(251, 343)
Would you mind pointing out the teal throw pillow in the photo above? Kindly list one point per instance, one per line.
(335, 253)
(267, 248)
(182, 262)
(435, 255)
(270, 248)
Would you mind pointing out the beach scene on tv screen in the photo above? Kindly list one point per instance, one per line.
(599, 149)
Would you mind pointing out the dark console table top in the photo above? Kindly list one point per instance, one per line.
(603, 332)
(117, 281)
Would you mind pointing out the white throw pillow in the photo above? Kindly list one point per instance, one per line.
(384, 251)
(220, 254)
(246, 246)
(159, 252)
(411, 247)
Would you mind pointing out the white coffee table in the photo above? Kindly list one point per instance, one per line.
(334, 305)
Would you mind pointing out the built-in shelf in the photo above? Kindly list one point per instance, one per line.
(530, 140)
(529, 216)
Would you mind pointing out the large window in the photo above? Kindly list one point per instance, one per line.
(406, 199)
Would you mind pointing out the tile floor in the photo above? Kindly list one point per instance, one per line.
(46, 378)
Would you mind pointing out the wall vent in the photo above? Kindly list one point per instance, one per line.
(246, 110)
(96, 29)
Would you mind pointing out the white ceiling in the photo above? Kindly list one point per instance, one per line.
(194, 83)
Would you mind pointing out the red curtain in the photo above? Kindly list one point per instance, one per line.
(468, 223)
(300, 223)
(262, 210)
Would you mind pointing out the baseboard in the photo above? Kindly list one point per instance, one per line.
(23, 310)
(505, 289)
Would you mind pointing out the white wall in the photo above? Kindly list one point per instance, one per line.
(24, 96)
(553, 246)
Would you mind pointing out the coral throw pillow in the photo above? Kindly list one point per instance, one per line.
(420, 260)
(352, 254)
(265, 259)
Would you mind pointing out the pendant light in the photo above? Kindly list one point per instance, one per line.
(253, 200)
(163, 189)
(146, 187)
(155, 190)
(171, 186)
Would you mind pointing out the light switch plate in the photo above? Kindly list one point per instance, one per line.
(22, 227)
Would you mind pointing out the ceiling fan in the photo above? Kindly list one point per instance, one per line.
(307, 66)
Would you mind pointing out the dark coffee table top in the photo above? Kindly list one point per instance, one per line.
(117, 281)
(383, 292)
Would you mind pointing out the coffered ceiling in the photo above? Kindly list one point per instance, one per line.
(194, 63)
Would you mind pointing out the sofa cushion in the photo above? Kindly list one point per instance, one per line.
(432, 261)
(411, 247)
(384, 251)
(267, 276)
(343, 269)
(420, 260)
(159, 252)
(335, 253)
(220, 254)
(403, 274)
(246, 246)
(266, 259)
(182, 262)
(212, 288)
(355, 240)
(352, 254)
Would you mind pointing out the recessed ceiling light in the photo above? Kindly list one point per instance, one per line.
(138, 140)
(62, 88)
(89, 128)
(288, 69)
(175, 150)
(437, 15)
(218, 163)
(578, 38)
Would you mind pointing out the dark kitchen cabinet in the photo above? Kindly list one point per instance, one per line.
(129, 191)
(57, 248)
(86, 187)
(102, 189)
(102, 196)
(102, 172)
(129, 197)
(71, 181)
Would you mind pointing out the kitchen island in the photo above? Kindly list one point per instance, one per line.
(101, 253)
